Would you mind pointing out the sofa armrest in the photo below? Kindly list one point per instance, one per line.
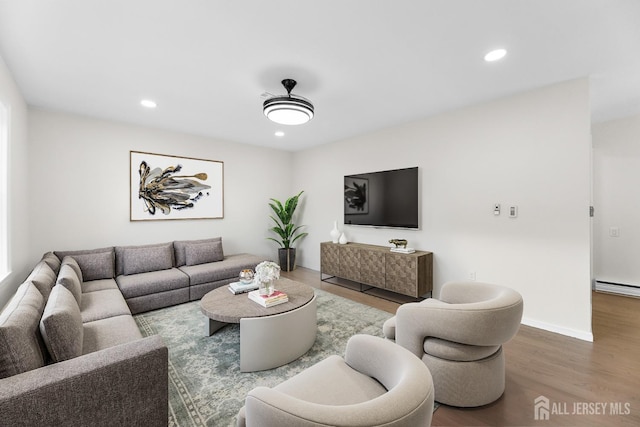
(122, 385)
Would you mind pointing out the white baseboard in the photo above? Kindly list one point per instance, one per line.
(581, 335)
(616, 288)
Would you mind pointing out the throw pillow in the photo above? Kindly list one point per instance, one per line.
(61, 325)
(120, 254)
(43, 277)
(69, 279)
(144, 259)
(52, 260)
(20, 340)
(201, 253)
(180, 248)
(96, 266)
(73, 264)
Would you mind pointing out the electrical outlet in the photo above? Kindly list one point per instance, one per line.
(472, 276)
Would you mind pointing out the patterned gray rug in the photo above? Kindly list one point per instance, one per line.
(206, 387)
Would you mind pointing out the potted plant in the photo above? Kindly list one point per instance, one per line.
(287, 231)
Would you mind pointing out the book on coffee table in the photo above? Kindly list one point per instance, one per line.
(240, 288)
(277, 297)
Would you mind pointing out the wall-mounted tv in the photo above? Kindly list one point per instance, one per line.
(382, 199)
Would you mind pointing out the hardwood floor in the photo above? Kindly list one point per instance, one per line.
(587, 384)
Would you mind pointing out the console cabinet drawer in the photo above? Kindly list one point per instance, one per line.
(329, 260)
(349, 263)
(372, 267)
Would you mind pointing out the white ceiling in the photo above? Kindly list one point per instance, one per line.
(365, 64)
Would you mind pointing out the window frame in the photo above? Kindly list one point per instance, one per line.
(4, 191)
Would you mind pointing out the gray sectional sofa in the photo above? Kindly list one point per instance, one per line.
(70, 350)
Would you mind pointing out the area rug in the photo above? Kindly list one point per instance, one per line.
(206, 387)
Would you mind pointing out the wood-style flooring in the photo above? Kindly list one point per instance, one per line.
(587, 384)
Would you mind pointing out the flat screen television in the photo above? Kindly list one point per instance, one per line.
(382, 199)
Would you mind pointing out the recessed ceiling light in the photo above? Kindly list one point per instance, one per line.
(495, 55)
(148, 103)
(279, 133)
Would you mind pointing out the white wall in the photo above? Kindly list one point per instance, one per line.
(18, 227)
(616, 175)
(79, 186)
(531, 150)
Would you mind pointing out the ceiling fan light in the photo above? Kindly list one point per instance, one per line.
(288, 109)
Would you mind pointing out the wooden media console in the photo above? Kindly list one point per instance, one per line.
(376, 266)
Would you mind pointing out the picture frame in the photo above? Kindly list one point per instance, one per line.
(167, 187)
(356, 196)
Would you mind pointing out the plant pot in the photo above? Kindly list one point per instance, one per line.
(287, 258)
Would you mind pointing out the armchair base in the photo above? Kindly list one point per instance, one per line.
(467, 384)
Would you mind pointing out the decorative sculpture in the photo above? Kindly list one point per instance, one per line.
(400, 243)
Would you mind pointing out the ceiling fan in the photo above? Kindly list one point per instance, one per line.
(287, 109)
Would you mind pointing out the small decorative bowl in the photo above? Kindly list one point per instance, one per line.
(246, 276)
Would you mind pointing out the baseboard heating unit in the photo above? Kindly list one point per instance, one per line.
(618, 288)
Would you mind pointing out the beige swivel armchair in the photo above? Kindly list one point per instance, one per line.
(459, 337)
(378, 383)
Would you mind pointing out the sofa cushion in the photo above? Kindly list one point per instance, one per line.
(142, 259)
(202, 253)
(332, 382)
(109, 332)
(449, 350)
(152, 282)
(229, 268)
(102, 304)
(69, 279)
(52, 261)
(43, 277)
(96, 266)
(81, 253)
(71, 262)
(61, 325)
(180, 246)
(99, 285)
(20, 340)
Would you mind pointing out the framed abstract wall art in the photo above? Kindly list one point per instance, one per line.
(173, 187)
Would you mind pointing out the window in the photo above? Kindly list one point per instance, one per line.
(4, 196)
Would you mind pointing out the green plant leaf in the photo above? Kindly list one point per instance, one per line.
(278, 207)
(280, 232)
(298, 236)
(279, 211)
(277, 241)
(278, 223)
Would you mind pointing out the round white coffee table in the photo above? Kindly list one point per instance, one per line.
(269, 337)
